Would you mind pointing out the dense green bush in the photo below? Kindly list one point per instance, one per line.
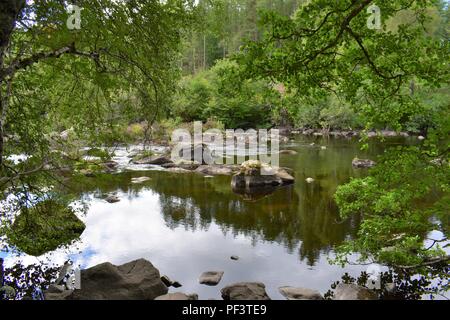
(221, 95)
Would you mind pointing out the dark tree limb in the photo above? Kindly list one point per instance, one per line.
(427, 263)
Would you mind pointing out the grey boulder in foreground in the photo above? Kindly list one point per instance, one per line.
(135, 280)
(245, 291)
(353, 292)
(292, 293)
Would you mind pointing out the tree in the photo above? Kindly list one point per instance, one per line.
(327, 47)
(121, 46)
(121, 64)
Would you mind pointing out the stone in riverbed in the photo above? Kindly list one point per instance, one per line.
(178, 170)
(363, 163)
(309, 180)
(178, 296)
(292, 293)
(353, 292)
(112, 198)
(254, 174)
(136, 280)
(211, 278)
(110, 165)
(140, 180)
(156, 160)
(245, 291)
(216, 170)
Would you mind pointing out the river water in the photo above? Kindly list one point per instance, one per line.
(186, 224)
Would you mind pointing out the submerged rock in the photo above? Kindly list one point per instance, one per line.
(363, 163)
(292, 293)
(139, 180)
(136, 280)
(245, 291)
(289, 152)
(309, 180)
(211, 278)
(353, 292)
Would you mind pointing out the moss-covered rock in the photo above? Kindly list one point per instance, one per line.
(45, 227)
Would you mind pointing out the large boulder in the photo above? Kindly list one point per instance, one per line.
(135, 280)
(254, 174)
(245, 291)
(292, 293)
(353, 292)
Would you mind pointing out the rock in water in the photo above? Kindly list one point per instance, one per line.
(215, 170)
(353, 292)
(112, 198)
(234, 258)
(136, 280)
(254, 174)
(140, 180)
(292, 293)
(309, 180)
(211, 278)
(245, 291)
(178, 296)
(156, 160)
(363, 163)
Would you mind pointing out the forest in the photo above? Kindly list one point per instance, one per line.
(91, 92)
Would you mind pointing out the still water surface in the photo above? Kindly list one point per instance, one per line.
(186, 224)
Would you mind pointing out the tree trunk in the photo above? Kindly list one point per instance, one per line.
(9, 12)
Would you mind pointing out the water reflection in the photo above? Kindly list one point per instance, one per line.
(186, 223)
